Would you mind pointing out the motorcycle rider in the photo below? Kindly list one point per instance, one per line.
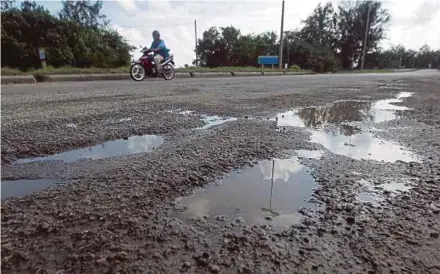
(159, 49)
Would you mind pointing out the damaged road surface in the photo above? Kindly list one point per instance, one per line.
(304, 174)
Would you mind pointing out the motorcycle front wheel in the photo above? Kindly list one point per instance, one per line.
(168, 72)
(137, 72)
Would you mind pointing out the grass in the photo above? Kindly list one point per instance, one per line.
(71, 70)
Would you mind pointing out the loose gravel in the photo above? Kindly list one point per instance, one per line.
(118, 214)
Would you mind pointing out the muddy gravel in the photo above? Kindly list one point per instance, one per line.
(120, 207)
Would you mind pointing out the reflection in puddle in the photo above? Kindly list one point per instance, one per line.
(19, 188)
(121, 147)
(329, 127)
(361, 146)
(211, 121)
(272, 189)
(336, 113)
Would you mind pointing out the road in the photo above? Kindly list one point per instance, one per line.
(123, 159)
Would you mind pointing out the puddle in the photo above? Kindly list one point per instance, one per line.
(121, 147)
(367, 197)
(333, 126)
(395, 86)
(179, 111)
(125, 119)
(394, 187)
(320, 116)
(361, 146)
(311, 154)
(209, 121)
(272, 189)
(19, 188)
(215, 120)
(374, 193)
(72, 125)
(384, 110)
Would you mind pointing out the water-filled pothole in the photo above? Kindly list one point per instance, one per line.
(208, 120)
(361, 145)
(270, 192)
(374, 193)
(116, 148)
(19, 188)
(385, 110)
(215, 120)
(333, 126)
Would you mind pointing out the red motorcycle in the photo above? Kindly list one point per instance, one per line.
(146, 66)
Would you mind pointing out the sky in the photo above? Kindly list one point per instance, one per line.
(414, 23)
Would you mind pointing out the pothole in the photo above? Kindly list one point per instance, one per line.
(208, 120)
(180, 111)
(215, 120)
(361, 145)
(340, 127)
(19, 188)
(124, 119)
(71, 125)
(374, 193)
(115, 148)
(270, 192)
(385, 110)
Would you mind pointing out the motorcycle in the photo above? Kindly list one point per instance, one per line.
(146, 66)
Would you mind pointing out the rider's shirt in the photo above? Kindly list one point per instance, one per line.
(162, 48)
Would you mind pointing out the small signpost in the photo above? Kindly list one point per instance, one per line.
(42, 53)
(268, 60)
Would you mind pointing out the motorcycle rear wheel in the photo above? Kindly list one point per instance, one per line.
(137, 72)
(168, 72)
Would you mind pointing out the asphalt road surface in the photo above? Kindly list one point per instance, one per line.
(321, 174)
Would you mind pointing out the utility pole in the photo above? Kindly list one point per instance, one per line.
(367, 27)
(281, 36)
(195, 31)
(288, 54)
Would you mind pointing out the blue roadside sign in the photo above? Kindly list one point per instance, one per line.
(268, 60)
(42, 53)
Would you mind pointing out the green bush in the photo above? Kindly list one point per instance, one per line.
(67, 42)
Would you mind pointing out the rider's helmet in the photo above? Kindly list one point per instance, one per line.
(156, 34)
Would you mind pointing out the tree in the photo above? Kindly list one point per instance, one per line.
(352, 22)
(67, 42)
(6, 4)
(320, 27)
(85, 13)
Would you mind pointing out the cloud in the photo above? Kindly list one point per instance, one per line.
(129, 6)
(426, 12)
(413, 23)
